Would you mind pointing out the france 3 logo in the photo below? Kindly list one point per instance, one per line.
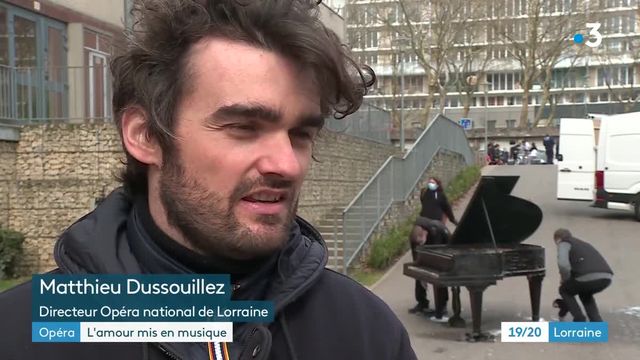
(595, 37)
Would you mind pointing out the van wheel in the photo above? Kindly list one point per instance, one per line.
(638, 210)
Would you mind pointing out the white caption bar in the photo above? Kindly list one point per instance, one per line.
(525, 331)
(156, 331)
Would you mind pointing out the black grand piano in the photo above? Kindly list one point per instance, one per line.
(484, 248)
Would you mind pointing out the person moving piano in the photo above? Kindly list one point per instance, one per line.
(584, 272)
(435, 206)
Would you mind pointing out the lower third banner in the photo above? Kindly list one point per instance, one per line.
(132, 332)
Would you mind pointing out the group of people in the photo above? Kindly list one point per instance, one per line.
(584, 272)
(522, 152)
(434, 212)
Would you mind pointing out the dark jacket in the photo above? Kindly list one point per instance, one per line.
(548, 143)
(585, 259)
(437, 231)
(320, 314)
(435, 205)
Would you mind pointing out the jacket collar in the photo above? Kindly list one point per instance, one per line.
(110, 241)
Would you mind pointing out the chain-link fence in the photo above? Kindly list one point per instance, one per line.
(369, 122)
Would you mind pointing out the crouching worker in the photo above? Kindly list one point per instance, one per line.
(431, 232)
(584, 272)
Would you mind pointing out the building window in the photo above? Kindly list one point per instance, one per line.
(604, 97)
(98, 49)
(491, 125)
(615, 75)
(511, 124)
(33, 51)
(4, 39)
(371, 39)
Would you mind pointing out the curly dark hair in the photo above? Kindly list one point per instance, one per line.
(152, 73)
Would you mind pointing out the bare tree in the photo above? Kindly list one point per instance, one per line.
(473, 57)
(430, 29)
(555, 78)
(538, 42)
(442, 40)
(620, 78)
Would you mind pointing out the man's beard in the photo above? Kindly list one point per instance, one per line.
(207, 221)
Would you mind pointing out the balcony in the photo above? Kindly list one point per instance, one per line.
(54, 94)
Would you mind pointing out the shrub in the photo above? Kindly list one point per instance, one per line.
(10, 251)
(462, 182)
(393, 244)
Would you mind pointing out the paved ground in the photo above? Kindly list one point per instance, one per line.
(614, 233)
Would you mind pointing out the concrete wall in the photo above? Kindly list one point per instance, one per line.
(54, 174)
(111, 11)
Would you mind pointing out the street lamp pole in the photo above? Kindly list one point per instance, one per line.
(486, 127)
(402, 100)
(400, 42)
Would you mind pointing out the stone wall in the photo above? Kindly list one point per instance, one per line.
(60, 172)
(7, 177)
(345, 164)
(55, 173)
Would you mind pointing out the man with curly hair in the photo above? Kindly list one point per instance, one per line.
(218, 104)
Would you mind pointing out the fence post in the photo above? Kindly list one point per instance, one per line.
(335, 241)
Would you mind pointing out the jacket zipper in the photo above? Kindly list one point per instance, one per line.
(168, 353)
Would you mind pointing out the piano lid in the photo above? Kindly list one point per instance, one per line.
(511, 219)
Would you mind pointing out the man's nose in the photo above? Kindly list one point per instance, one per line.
(279, 157)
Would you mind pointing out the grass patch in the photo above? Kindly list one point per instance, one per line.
(9, 283)
(366, 277)
(462, 182)
(386, 250)
(392, 245)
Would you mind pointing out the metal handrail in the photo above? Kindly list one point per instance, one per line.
(373, 177)
(395, 180)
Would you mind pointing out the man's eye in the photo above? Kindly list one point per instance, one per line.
(242, 127)
(304, 134)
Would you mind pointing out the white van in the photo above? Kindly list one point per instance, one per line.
(599, 161)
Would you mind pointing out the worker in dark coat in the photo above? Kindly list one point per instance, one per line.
(435, 210)
(584, 272)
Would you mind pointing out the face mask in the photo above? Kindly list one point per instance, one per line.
(432, 186)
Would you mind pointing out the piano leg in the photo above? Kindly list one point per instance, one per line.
(535, 287)
(456, 320)
(475, 295)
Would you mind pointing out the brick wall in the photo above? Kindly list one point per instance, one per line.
(54, 174)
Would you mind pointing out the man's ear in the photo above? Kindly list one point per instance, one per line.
(137, 139)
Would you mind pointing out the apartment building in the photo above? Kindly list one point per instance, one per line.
(602, 79)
